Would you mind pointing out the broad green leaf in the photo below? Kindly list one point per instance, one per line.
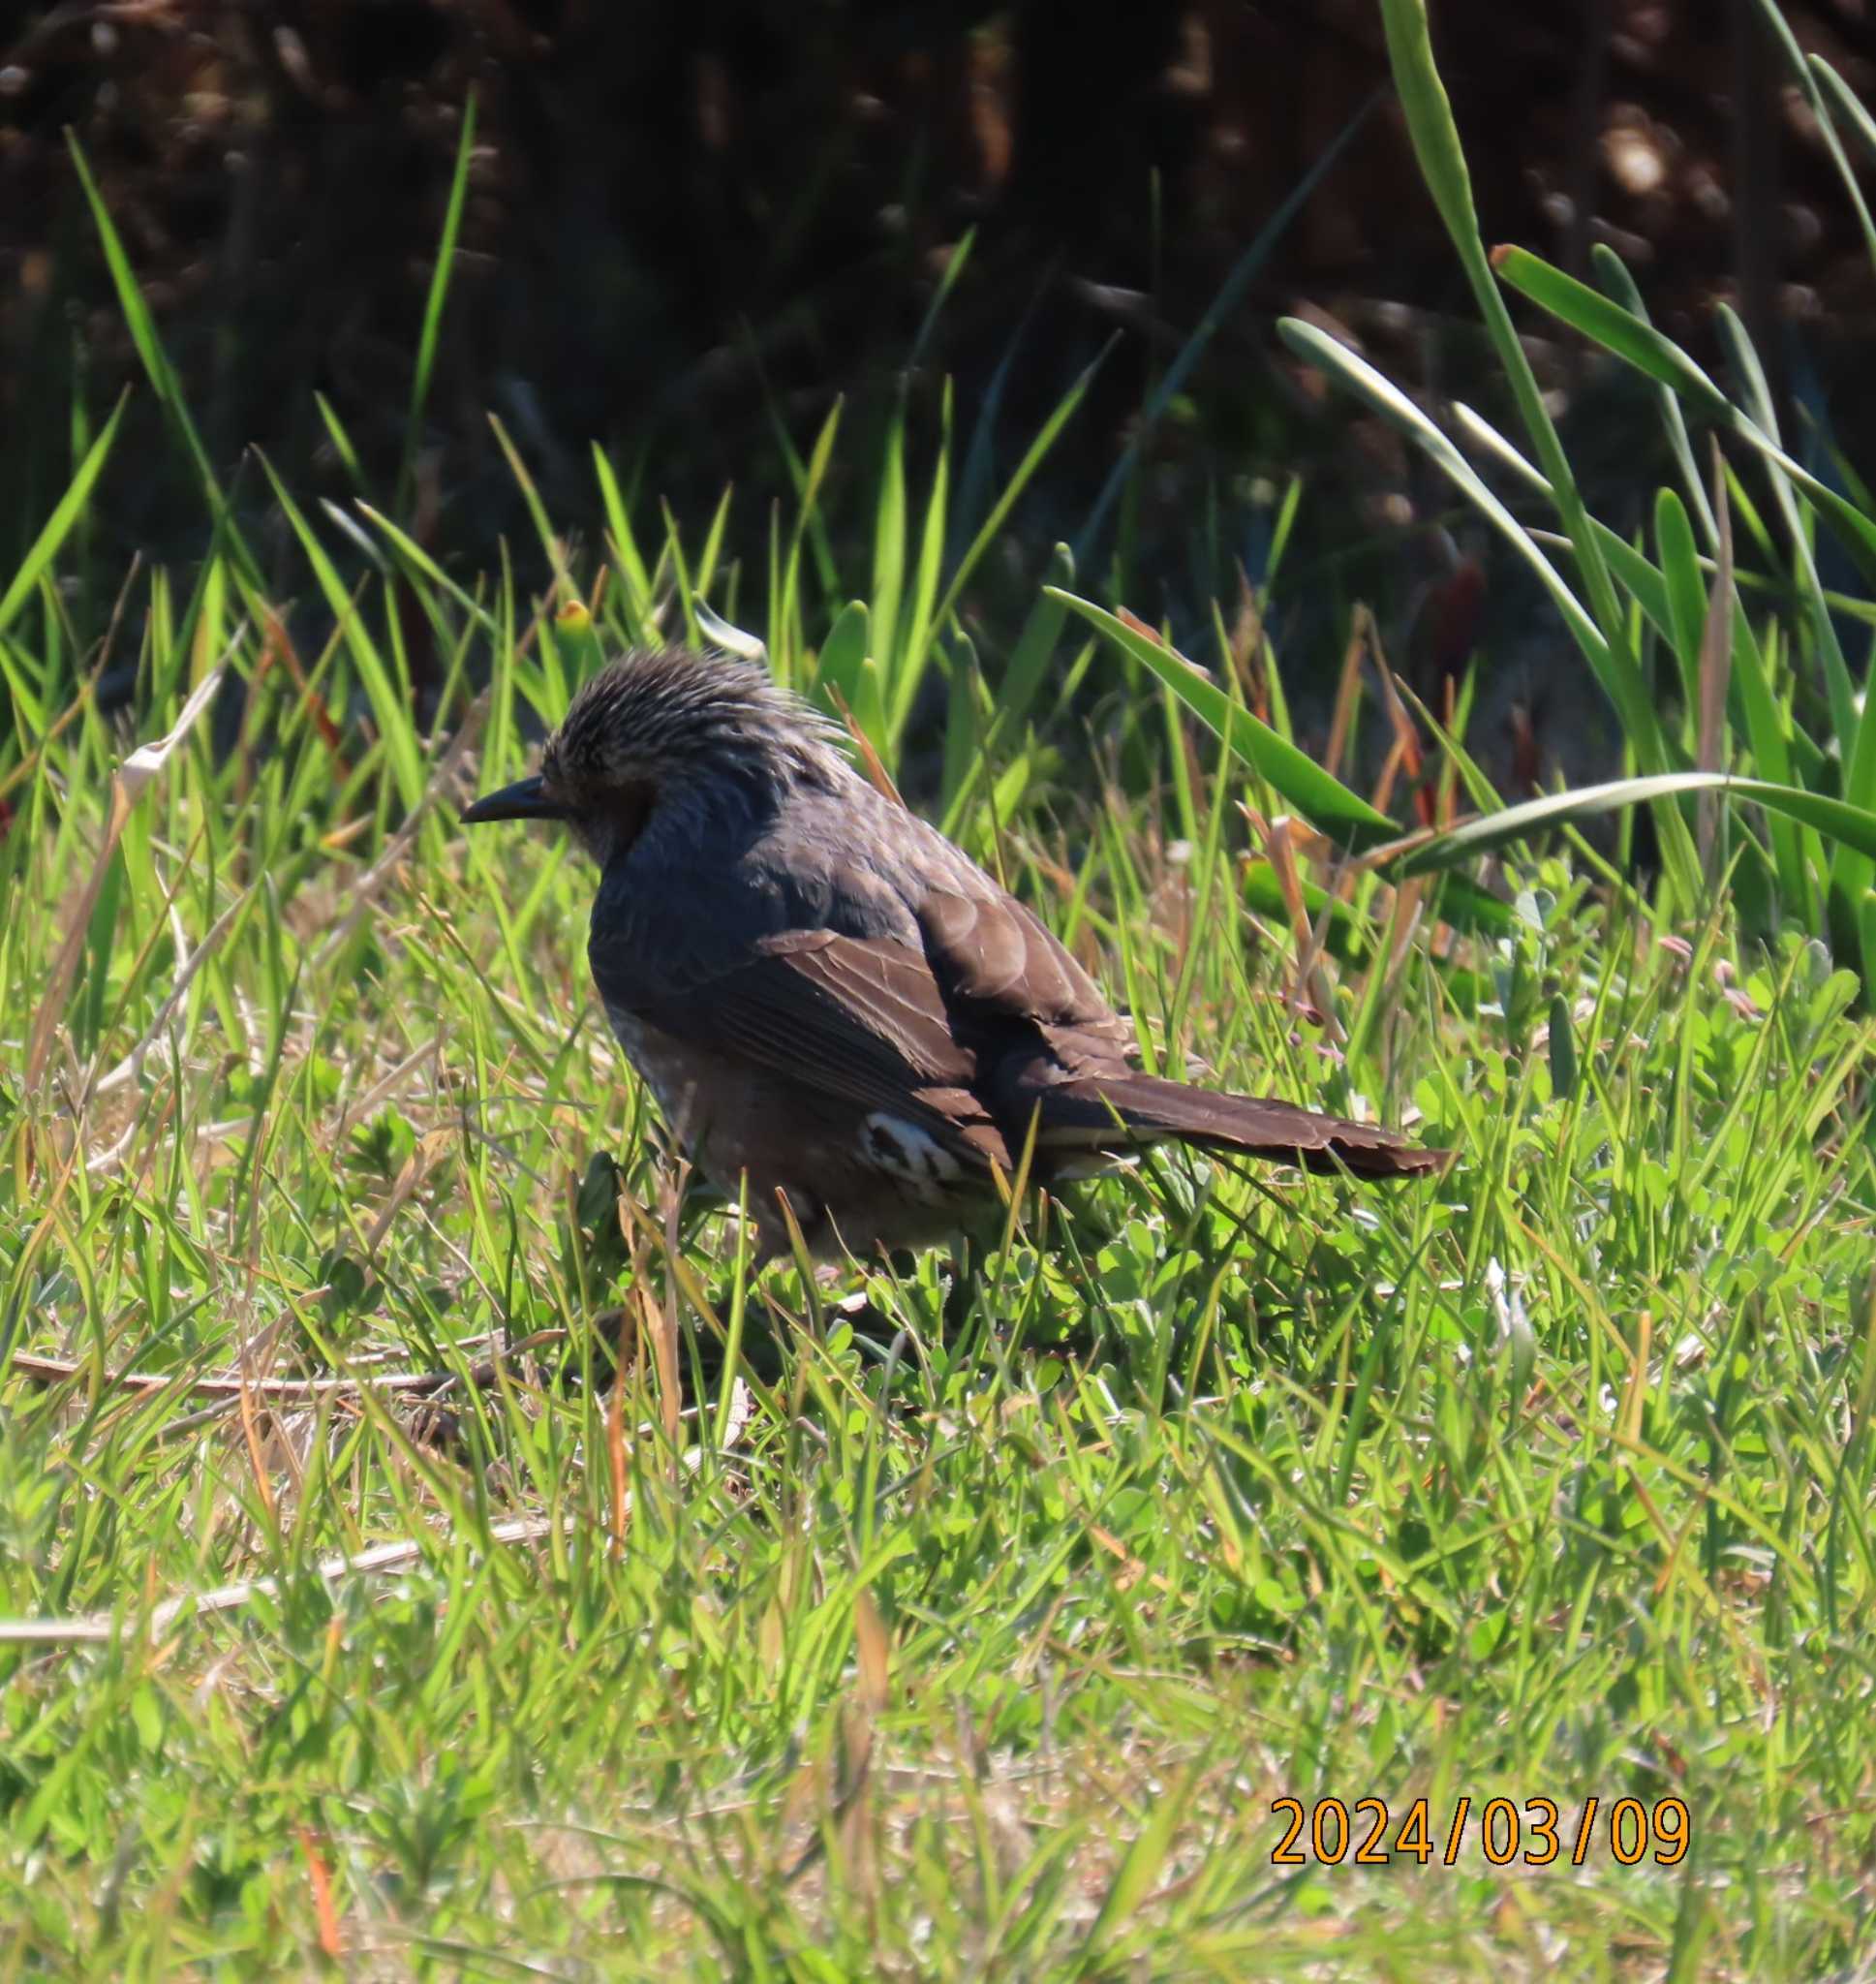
(1674, 538)
(1851, 826)
(848, 672)
(1604, 321)
(1323, 801)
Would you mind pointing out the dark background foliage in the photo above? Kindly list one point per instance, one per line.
(692, 226)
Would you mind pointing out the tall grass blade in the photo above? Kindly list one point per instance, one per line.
(390, 711)
(1605, 322)
(162, 373)
(552, 549)
(1613, 273)
(66, 513)
(625, 558)
(1323, 801)
(1807, 79)
(433, 305)
(1614, 668)
(1851, 826)
(912, 654)
(1033, 458)
(1442, 162)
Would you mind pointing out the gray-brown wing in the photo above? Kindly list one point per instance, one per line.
(875, 962)
(1020, 987)
(858, 1017)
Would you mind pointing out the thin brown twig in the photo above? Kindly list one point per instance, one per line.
(106, 1626)
(56, 1370)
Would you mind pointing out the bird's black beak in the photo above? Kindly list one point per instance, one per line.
(525, 799)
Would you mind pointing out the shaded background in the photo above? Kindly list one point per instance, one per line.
(690, 227)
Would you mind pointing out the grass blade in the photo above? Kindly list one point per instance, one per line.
(70, 507)
(162, 373)
(1850, 826)
(433, 300)
(1323, 801)
(1605, 322)
(390, 711)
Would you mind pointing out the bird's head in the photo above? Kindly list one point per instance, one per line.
(660, 725)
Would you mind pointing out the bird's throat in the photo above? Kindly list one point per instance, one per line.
(609, 825)
(630, 808)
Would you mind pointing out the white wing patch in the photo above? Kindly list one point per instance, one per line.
(904, 1152)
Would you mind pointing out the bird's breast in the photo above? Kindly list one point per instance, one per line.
(671, 1071)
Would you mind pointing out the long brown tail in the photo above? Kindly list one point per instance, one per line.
(1083, 1112)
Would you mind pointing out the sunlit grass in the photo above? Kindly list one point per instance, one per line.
(350, 1617)
(969, 1642)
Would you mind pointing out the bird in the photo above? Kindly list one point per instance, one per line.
(847, 1025)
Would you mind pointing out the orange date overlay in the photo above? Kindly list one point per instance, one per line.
(1533, 1835)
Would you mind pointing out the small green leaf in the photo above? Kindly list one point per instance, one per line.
(1563, 1050)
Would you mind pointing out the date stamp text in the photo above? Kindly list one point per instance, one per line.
(1369, 1833)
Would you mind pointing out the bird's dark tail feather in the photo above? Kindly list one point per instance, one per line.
(1083, 1112)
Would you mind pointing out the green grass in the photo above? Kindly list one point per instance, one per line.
(969, 1634)
(980, 1650)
